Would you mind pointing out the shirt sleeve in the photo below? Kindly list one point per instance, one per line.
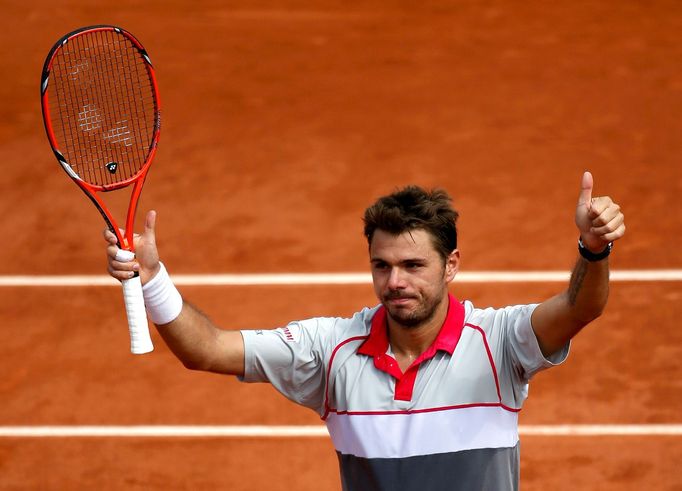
(516, 350)
(291, 358)
(523, 343)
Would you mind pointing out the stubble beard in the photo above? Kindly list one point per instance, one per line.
(422, 314)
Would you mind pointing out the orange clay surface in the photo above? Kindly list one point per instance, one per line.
(281, 123)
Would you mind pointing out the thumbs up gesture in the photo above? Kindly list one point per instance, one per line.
(599, 219)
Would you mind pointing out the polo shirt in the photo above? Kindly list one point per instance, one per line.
(450, 421)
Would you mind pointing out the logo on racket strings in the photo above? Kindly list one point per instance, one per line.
(111, 167)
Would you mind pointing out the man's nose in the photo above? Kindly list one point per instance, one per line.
(396, 279)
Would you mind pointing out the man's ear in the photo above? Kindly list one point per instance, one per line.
(452, 265)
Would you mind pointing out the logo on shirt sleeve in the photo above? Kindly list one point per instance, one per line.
(292, 332)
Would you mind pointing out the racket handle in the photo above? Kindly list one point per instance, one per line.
(140, 339)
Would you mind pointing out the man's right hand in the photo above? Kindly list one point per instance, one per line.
(146, 260)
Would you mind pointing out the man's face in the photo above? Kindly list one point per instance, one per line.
(410, 277)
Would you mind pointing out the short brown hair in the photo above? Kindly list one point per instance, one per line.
(413, 208)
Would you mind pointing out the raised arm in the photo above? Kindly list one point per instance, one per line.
(192, 337)
(600, 222)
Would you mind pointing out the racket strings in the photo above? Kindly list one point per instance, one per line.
(106, 106)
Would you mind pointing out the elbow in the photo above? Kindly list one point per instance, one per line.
(191, 365)
(195, 364)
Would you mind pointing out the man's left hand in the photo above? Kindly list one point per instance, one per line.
(599, 219)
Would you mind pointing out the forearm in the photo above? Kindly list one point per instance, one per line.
(200, 345)
(190, 334)
(588, 290)
(558, 319)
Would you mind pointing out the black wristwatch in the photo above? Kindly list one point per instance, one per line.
(592, 256)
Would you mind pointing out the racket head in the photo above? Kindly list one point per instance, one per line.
(101, 106)
(102, 114)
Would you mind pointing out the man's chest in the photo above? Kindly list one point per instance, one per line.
(360, 383)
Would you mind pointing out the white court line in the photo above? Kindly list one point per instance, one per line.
(335, 278)
(307, 431)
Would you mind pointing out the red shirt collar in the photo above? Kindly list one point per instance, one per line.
(448, 336)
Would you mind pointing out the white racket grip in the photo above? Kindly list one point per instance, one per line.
(140, 339)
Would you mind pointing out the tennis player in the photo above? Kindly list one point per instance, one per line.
(422, 391)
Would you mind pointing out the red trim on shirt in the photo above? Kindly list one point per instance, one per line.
(377, 343)
(424, 410)
(327, 409)
(490, 359)
(492, 366)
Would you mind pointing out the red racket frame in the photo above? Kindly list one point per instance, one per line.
(91, 190)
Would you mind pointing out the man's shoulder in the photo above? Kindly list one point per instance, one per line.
(358, 324)
(486, 316)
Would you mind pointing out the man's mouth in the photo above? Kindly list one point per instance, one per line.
(398, 299)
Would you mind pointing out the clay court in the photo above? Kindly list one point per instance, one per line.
(281, 122)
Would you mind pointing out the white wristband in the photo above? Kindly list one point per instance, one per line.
(161, 298)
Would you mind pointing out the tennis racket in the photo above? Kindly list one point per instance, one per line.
(101, 107)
